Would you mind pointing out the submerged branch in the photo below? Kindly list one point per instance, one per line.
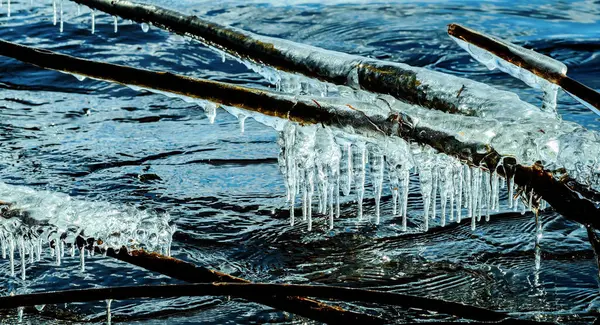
(564, 193)
(249, 290)
(188, 272)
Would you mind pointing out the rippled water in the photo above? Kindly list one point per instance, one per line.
(101, 142)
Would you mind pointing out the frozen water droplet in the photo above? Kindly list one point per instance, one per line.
(116, 24)
(40, 307)
(145, 27)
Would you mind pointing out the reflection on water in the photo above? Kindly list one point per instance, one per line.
(223, 190)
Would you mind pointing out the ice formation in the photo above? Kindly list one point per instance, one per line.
(38, 221)
(491, 61)
(315, 161)
(108, 313)
(93, 13)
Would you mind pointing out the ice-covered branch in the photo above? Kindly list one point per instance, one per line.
(535, 69)
(414, 85)
(503, 146)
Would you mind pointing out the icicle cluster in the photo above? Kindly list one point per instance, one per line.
(38, 222)
(318, 165)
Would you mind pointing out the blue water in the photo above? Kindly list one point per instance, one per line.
(223, 189)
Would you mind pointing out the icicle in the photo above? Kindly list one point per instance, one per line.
(445, 182)
(72, 250)
(115, 24)
(479, 194)
(530, 203)
(469, 192)
(242, 122)
(304, 200)
(61, 16)
(78, 9)
(426, 179)
(434, 187)
(487, 183)
(8, 8)
(93, 21)
(11, 253)
(145, 27)
(406, 181)
(55, 16)
(20, 310)
(510, 184)
(459, 202)
(538, 239)
(360, 179)
(39, 250)
(22, 254)
(290, 165)
(210, 109)
(311, 188)
(495, 192)
(377, 173)
(349, 172)
(337, 196)
(474, 196)
(32, 249)
(108, 316)
(57, 252)
(3, 242)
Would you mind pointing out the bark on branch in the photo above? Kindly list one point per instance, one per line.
(257, 291)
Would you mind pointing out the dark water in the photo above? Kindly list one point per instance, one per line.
(92, 140)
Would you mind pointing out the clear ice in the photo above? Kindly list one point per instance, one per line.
(46, 221)
(491, 61)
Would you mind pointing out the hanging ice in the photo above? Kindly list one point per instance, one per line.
(37, 219)
(61, 16)
(108, 314)
(93, 13)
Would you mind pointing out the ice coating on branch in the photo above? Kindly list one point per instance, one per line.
(38, 221)
(491, 61)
